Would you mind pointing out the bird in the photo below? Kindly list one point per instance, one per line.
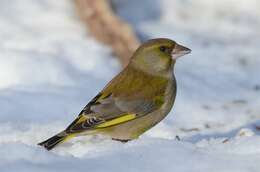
(135, 100)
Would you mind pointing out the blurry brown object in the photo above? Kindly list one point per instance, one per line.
(257, 127)
(108, 28)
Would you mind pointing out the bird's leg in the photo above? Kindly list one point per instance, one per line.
(121, 140)
(177, 138)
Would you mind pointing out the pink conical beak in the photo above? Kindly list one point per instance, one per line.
(179, 51)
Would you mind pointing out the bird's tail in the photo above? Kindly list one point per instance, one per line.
(55, 140)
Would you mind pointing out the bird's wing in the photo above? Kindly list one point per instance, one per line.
(106, 110)
(122, 100)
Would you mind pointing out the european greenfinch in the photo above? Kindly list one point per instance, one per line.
(135, 100)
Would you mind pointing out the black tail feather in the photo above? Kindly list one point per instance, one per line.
(53, 141)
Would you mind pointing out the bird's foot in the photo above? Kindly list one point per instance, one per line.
(121, 140)
(177, 138)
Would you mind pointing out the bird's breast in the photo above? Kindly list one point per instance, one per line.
(170, 94)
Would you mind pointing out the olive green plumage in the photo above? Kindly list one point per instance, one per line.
(135, 100)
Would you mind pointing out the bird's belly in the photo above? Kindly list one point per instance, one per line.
(132, 129)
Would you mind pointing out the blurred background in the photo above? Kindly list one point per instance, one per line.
(52, 62)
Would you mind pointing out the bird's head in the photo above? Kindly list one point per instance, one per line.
(158, 55)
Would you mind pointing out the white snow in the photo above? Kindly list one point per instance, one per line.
(50, 67)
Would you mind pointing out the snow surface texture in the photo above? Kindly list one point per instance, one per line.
(50, 68)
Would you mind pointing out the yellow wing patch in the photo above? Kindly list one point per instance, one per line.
(70, 136)
(82, 118)
(116, 121)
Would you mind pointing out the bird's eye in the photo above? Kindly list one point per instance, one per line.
(163, 49)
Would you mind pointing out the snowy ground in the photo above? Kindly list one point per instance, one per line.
(50, 68)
